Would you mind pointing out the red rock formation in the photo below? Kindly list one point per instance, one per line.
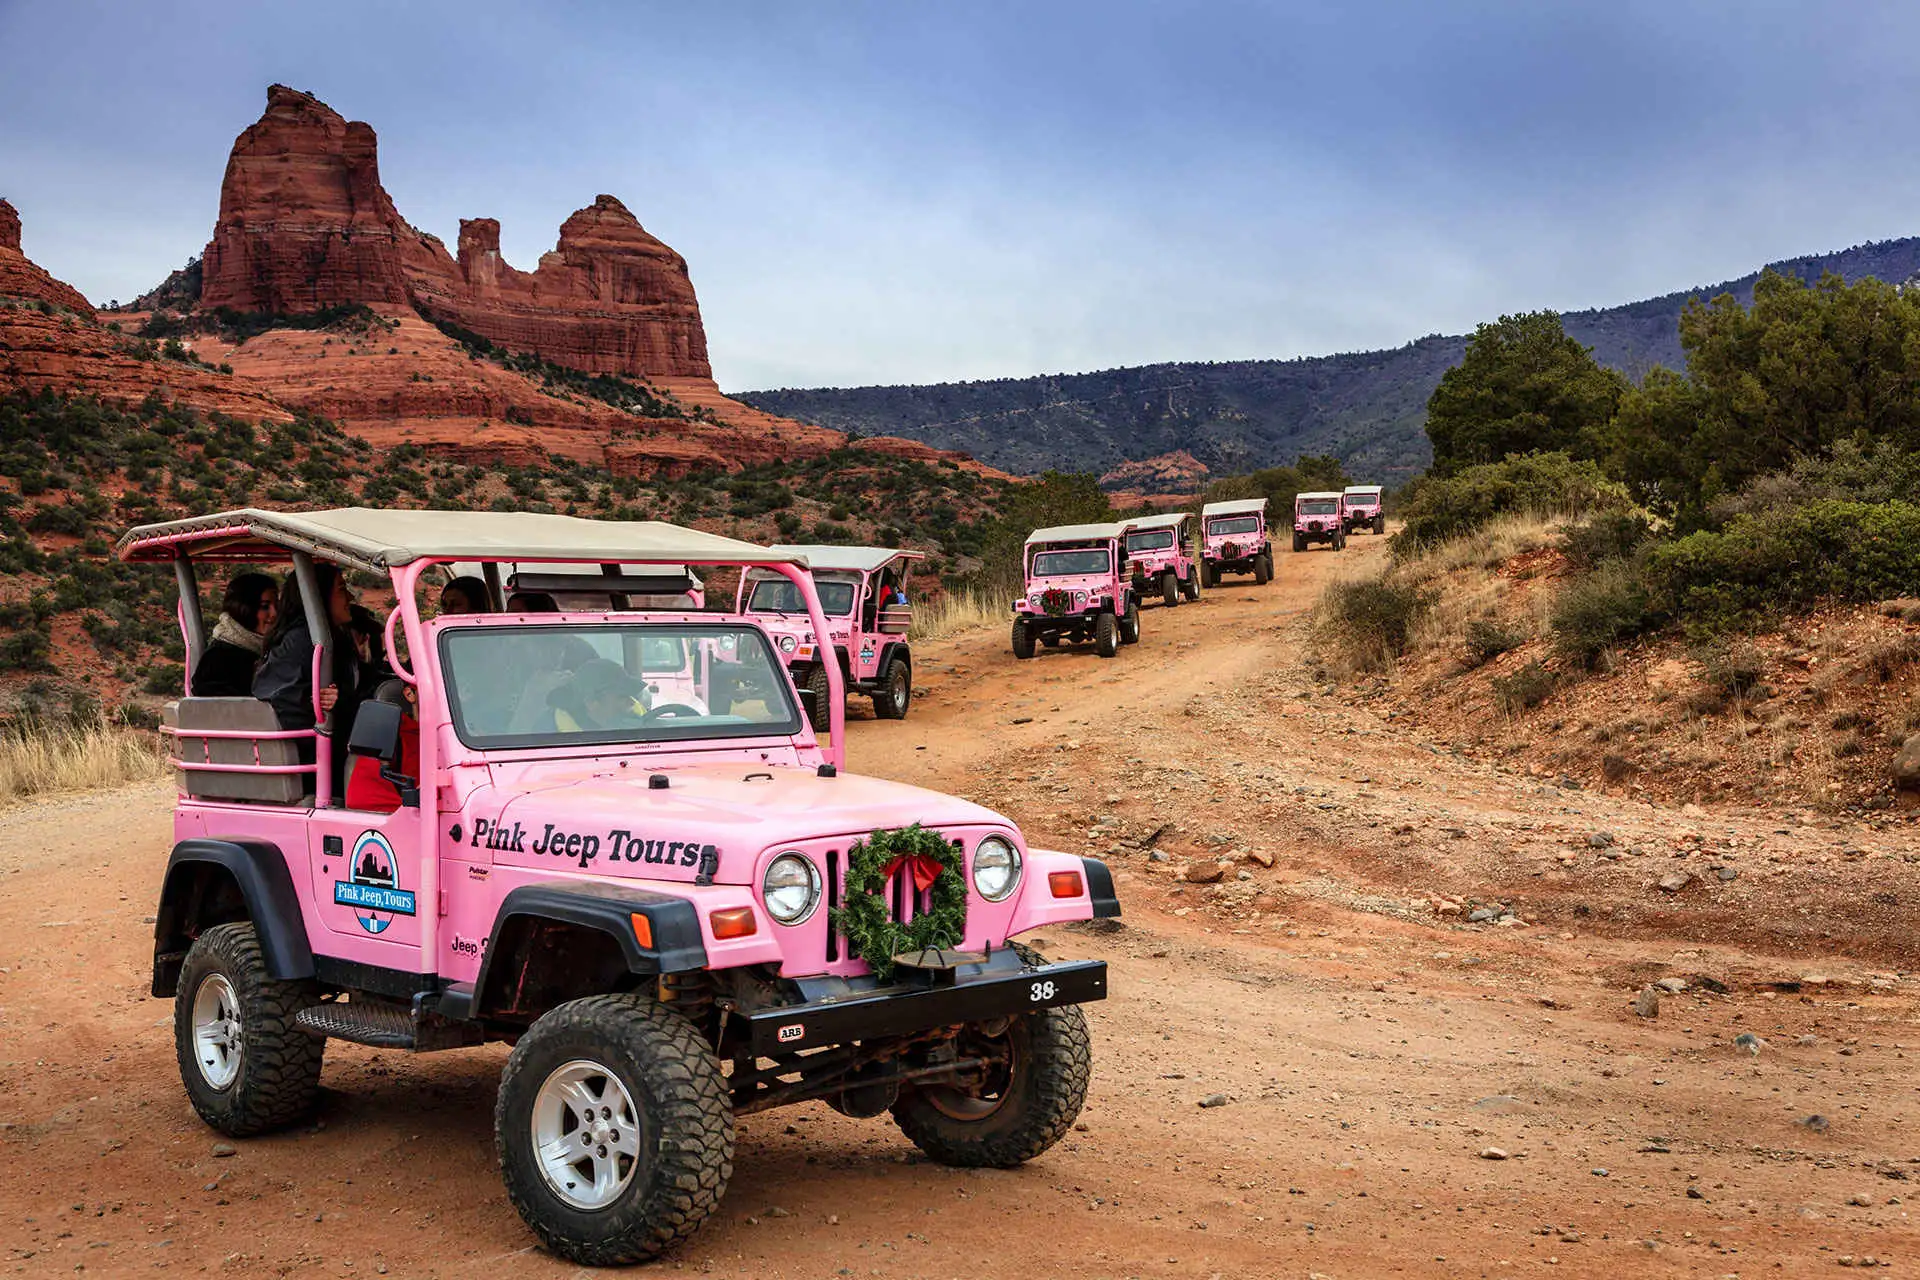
(20, 278)
(1176, 472)
(304, 222)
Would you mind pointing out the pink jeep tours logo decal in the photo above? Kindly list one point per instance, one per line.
(374, 892)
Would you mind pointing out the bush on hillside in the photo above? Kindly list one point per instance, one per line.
(1440, 508)
(1613, 536)
(1369, 621)
(1524, 690)
(1852, 471)
(1599, 610)
(1763, 564)
(1488, 638)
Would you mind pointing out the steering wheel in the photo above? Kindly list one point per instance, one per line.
(669, 711)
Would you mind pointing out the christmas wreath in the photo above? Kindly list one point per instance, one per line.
(1231, 551)
(1055, 601)
(866, 920)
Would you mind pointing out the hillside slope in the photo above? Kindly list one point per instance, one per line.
(1367, 408)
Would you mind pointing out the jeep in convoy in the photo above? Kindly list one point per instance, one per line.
(1360, 508)
(1317, 518)
(610, 839)
(1160, 550)
(863, 592)
(1234, 540)
(1078, 588)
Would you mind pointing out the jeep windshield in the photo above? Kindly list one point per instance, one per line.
(574, 685)
(1151, 540)
(778, 595)
(1319, 506)
(1234, 524)
(1061, 564)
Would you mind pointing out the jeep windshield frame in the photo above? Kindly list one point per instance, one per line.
(1234, 526)
(1319, 506)
(838, 592)
(1150, 540)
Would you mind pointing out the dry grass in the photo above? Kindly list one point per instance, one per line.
(47, 759)
(1466, 589)
(1488, 547)
(957, 611)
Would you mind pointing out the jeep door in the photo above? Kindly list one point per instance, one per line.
(365, 869)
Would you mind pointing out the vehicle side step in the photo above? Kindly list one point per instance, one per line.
(384, 1026)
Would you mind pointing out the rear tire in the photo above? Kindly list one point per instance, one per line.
(1130, 623)
(636, 1061)
(819, 699)
(1030, 1105)
(1192, 585)
(246, 1067)
(1262, 570)
(896, 691)
(1169, 589)
(1022, 639)
(1106, 636)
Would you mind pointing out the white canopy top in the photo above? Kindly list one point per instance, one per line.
(1363, 488)
(1076, 533)
(848, 559)
(1325, 493)
(1238, 507)
(1171, 520)
(378, 540)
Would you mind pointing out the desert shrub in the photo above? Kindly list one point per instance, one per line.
(1732, 668)
(1438, 508)
(1524, 689)
(1368, 621)
(1597, 611)
(1887, 658)
(28, 649)
(1614, 535)
(1794, 557)
(1488, 638)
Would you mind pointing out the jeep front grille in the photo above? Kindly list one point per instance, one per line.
(903, 901)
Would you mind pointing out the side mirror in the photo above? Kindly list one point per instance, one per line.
(376, 732)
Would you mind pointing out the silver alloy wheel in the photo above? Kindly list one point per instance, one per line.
(216, 1031)
(897, 687)
(586, 1134)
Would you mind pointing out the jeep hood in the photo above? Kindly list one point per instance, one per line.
(738, 809)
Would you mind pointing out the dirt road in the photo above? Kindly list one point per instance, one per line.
(1366, 1046)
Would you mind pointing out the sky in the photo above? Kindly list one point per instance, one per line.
(898, 191)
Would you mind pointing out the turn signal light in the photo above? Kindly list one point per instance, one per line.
(643, 931)
(732, 922)
(1065, 884)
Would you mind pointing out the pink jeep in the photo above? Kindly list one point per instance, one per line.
(1234, 540)
(1360, 508)
(1160, 549)
(1317, 518)
(656, 885)
(863, 593)
(1077, 588)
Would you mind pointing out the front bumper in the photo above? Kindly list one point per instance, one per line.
(975, 993)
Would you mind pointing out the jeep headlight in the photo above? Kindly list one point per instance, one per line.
(791, 888)
(996, 868)
(788, 644)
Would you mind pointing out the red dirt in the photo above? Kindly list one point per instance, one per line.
(1369, 1045)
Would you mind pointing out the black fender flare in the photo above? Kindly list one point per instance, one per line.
(1106, 903)
(258, 870)
(677, 945)
(895, 649)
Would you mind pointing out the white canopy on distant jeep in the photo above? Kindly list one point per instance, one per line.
(377, 540)
(1171, 520)
(1076, 533)
(1325, 493)
(1238, 507)
(848, 559)
(1364, 490)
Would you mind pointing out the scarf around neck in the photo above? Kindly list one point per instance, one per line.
(229, 630)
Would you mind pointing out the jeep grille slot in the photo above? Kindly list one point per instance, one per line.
(833, 900)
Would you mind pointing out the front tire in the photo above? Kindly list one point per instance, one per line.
(1262, 570)
(1106, 636)
(819, 699)
(1025, 1105)
(1379, 524)
(1299, 542)
(1192, 585)
(1209, 574)
(246, 1067)
(1022, 639)
(896, 691)
(614, 1130)
(1169, 589)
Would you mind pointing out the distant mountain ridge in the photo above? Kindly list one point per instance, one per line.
(1367, 408)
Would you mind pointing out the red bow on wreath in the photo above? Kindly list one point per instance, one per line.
(924, 870)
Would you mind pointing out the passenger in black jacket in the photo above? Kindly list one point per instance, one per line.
(285, 676)
(247, 613)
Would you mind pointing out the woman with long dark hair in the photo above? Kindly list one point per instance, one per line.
(285, 677)
(247, 614)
